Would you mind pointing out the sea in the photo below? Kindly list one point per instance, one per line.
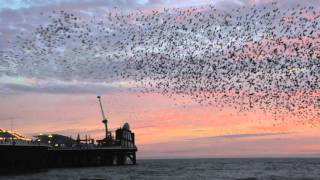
(190, 169)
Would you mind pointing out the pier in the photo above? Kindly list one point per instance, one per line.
(29, 157)
(58, 151)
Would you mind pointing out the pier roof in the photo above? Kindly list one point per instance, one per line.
(5, 134)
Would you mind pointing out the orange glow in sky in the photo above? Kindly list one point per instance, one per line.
(158, 121)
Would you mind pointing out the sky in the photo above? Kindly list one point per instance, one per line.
(47, 100)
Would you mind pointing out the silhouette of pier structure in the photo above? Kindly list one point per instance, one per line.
(55, 150)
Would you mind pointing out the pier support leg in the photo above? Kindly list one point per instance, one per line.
(121, 158)
(134, 161)
(132, 157)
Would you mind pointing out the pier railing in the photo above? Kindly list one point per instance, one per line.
(19, 142)
(93, 148)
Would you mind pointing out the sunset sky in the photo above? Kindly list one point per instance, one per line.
(48, 102)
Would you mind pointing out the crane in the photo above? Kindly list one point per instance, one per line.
(104, 119)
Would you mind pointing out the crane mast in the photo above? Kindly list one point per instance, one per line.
(102, 112)
(104, 119)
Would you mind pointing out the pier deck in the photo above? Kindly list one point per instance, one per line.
(31, 157)
(100, 156)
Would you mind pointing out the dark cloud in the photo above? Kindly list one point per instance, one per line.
(60, 88)
(239, 136)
